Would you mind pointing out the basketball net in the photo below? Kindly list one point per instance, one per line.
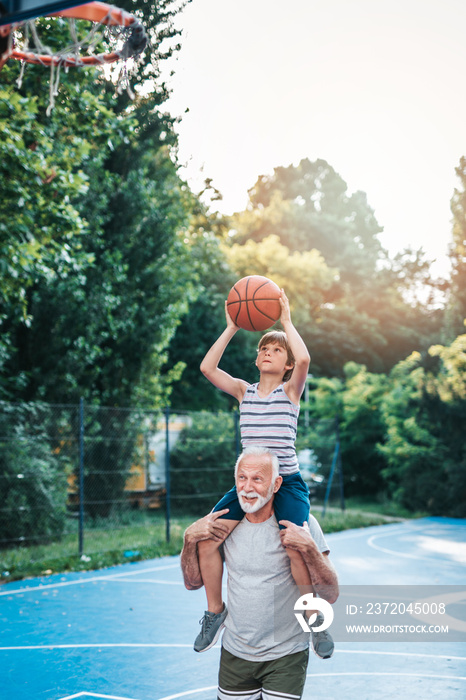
(122, 30)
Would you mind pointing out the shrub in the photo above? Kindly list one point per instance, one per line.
(32, 477)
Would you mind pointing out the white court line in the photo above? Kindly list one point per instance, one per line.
(362, 531)
(188, 692)
(326, 675)
(161, 581)
(401, 653)
(384, 673)
(116, 645)
(85, 693)
(152, 580)
(189, 646)
(108, 577)
(405, 530)
(406, 555)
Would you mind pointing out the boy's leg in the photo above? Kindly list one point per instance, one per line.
(321, 642)
(292, 503)
(211, 566)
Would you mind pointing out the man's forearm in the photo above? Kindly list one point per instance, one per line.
(323, 575)
(190, 565)
(209, 527)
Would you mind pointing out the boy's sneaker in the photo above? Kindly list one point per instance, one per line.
(212, 625)
(321, 642)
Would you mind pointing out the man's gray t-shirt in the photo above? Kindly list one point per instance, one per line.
(261, 625)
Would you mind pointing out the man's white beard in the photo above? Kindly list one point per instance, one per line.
(258, 501)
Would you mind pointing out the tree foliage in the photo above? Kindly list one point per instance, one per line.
(205, 321)
(456, 306)
(308, 205)
(365, 308)
(305, 275)
(32, 477)
(355, 403)
(98, 274)
(402, 435)
(425, 414)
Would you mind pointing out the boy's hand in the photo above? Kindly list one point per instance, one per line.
(230, 323)
(285, 307)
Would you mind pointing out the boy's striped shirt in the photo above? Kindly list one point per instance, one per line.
(271, 422)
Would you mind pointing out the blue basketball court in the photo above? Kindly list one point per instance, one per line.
(126, 633)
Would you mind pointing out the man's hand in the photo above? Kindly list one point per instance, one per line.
(323, 576)
(296, 537)
(208, 528)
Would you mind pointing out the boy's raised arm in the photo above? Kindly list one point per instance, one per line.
(295, 386)
(209, 365)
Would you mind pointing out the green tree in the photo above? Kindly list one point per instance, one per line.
(456, 305)
(310, 208)
(99, 308)
(425, 414)
(32, 477)
(308, 280)
(371, 313)
(361, 430)
(98, 272)
(205, 320)
(355, 403)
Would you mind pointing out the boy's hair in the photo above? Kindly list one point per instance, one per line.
(279, 338)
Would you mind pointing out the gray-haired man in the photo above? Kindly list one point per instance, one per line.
(264, 649)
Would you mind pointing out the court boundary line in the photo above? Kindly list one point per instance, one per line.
(382, 673)
(413, 529)
(151, 645)
(105, 645)
(83, 694)
(320, 675)
(153, 580)
(187, 692)
(90, 579)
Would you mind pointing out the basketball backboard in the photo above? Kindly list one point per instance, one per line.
(19, 10)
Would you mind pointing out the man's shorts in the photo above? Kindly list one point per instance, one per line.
(280, 679)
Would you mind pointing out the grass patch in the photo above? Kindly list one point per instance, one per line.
(104, 545)
(337, 520)
(383, 506)
(142, 536)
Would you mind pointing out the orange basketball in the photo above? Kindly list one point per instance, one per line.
(253, 303)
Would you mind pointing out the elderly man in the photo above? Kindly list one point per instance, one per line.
(264, 649)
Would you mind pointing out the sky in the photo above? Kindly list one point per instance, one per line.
(374, 88)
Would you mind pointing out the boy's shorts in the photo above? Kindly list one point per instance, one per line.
(291, 502)
(280, 679)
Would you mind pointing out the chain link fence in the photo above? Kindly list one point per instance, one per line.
(81, 480)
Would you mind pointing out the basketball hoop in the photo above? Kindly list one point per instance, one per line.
(124, 28)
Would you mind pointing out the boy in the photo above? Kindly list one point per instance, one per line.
(269, 413)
